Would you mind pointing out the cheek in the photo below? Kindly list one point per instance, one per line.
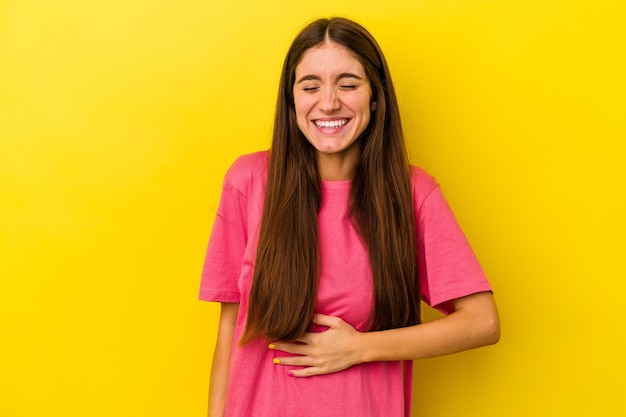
(301, 114)
(302, 106)
(362, 104)
(366, 111)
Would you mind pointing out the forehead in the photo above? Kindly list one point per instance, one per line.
(329, 57)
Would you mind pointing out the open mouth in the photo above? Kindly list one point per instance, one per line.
(330, 124)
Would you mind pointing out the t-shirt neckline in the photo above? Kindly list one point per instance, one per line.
(335, 185)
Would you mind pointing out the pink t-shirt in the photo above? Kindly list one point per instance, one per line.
(448, 269)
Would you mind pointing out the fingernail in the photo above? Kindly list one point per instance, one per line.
(290, 373)
(271, 346)
(276, 361)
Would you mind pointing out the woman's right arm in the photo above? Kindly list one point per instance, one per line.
(221, 359)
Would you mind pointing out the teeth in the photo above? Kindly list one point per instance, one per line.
(330, 124)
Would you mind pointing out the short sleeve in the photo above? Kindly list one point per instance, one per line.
(223, 261)
(448, 267)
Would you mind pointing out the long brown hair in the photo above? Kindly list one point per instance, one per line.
(284, 288)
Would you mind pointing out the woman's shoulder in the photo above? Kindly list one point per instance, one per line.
(246, 169)
(423, 182)
(424, 186)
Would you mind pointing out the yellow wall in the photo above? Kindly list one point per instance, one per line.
(119, 118)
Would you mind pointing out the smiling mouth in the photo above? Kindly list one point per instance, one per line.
(330, 124)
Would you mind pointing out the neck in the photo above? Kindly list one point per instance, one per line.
(336, 167)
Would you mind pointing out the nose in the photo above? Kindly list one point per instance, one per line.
(329, 102)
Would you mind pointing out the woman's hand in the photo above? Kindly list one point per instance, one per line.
(330, 351)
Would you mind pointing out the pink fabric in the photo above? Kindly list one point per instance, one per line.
(257, 387)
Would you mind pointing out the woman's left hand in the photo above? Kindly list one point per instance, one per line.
(330, 351)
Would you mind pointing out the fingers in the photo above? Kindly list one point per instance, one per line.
(301, 367)
(300, 360)
(304, 366)
(328, 321)
(306, 372)
(292, 361)
(293, 348)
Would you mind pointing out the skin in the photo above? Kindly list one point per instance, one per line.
(331, 87)
(221, 359)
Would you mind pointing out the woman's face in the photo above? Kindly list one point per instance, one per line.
(332, 97)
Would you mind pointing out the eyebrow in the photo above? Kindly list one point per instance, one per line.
(341, 76)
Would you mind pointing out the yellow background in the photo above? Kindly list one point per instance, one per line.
(119, 118)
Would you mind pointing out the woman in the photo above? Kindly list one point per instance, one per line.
(323, 247)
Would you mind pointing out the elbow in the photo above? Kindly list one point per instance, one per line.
(481, 318)
(493, 336)
(491, 329)
(489, 320)
(486, 327)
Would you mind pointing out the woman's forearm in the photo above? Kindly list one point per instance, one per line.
(220, 368)
(474, 323)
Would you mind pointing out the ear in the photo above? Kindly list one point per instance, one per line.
(373, 106)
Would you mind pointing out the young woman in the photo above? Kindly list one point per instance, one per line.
(324, 246)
